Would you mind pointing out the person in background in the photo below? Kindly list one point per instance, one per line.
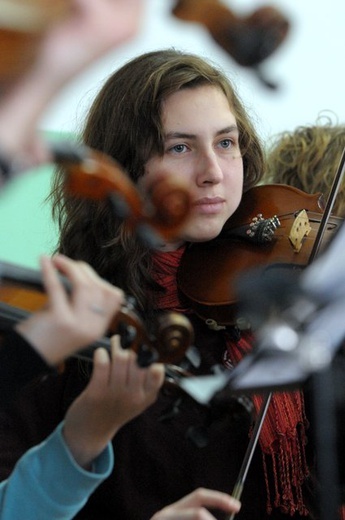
(308, 158)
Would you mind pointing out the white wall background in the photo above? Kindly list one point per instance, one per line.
(308, 66)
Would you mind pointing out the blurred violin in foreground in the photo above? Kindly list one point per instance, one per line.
(23, 23)
(249, 40)
(94, 175)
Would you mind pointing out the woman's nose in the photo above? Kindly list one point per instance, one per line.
(208, 169)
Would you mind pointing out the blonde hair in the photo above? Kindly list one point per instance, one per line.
(308, 158)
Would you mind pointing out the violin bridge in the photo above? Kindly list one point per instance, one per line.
(299, 230)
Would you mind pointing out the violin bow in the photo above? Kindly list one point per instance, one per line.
(328, 208)
(238, 487)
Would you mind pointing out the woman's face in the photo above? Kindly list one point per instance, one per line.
(200, 147)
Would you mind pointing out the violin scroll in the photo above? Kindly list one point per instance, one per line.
(94, 175)
(172, 335)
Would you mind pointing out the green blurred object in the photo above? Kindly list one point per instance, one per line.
(26, 227)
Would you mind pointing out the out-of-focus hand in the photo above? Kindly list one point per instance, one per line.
(70, 322)
(194, 506)
(118, 391)
(92, 28)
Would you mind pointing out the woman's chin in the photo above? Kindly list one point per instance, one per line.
(203, 235)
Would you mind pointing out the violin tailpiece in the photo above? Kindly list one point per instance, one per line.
(260, 230)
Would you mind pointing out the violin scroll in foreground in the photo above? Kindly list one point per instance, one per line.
(94, 175)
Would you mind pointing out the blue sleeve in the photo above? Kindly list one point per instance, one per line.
(48, 483)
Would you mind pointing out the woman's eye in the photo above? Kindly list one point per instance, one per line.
(225, 143)
(179, 148)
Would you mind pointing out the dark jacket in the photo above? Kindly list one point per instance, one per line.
(19, 364)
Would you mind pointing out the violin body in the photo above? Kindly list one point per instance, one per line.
(247, 39)
(209, 271)
(23, 24)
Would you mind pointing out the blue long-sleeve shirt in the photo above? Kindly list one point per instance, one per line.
(47, 483)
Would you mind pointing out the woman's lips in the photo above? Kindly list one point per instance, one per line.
(209, 205)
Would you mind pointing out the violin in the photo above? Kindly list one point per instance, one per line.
(23, 24)
(249, 40)
(22, 292)
(275, 226)
(94, 175)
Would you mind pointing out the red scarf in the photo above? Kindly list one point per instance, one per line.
(283, 436)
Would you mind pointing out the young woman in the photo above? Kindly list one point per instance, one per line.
(172, 113)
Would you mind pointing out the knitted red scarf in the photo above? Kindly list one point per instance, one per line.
(282, 437)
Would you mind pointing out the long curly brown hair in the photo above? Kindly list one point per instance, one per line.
(125, 122)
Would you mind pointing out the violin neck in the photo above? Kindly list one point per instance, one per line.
(25, 276)
(9, 316)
